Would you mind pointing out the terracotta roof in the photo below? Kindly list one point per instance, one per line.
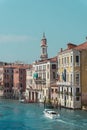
(82, 46)
(53, 59)
(18, 66)
(79, 47)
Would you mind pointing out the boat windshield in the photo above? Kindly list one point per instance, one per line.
(54, 113)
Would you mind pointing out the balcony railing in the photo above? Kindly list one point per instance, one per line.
(78, 94)
(64, 83)
(39, 80)
(66, 93)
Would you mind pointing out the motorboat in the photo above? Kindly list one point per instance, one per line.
(22, 100)
(51, 114)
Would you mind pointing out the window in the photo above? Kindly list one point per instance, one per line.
(77, 98)
(44, 75)
(30, 73)
(53, 66)
(52, 90)
(62, 89)
(47, 66)
(21, 78)
(21, 71)
(67, 79)
(62, 60)
(30, 81)
(21, 85)
(16, 71)
(77, 79)
(64, 75)
(67, 90)
(71, 90)
(71, 78)
(36, 68)
(48, 75)
(7, 85)
(59, 91)
(44, 67)
(71, 59)
(77, 90)
(54, 75)
(40, 67)
(40, 96)
(77, 59)
(7, 71)
(40, 75)
(67, 60)
(56, 90)
(71, 94)
(59, 61)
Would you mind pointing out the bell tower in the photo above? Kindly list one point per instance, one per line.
(44, 54)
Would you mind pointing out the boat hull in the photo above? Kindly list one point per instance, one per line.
(51, 114)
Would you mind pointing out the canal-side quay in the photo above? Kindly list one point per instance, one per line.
(48, 105)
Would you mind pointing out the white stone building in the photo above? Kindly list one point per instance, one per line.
(69, 87)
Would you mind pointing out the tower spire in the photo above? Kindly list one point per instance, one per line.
(44, 54)
(43, 34)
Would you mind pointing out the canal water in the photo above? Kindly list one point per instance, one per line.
(19, 116)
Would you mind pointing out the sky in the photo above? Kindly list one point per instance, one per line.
(22, 23)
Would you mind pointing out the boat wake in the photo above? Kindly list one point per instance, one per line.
(71, 123)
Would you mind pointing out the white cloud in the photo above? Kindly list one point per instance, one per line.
(16, 38)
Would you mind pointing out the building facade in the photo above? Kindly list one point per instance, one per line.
(14, 80)
(45, 79)
(69, 80)
(31, 91)
(8, 82)
(82, 48)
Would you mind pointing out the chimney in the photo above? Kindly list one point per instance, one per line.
(70, 45)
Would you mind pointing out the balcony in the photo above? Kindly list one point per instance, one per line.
(39, 80)
(64, 83)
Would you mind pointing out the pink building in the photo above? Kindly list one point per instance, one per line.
(14, 80)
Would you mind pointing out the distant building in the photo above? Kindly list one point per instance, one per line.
(8, 81)
(14, 80)
(1, 75)
(31, 93)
